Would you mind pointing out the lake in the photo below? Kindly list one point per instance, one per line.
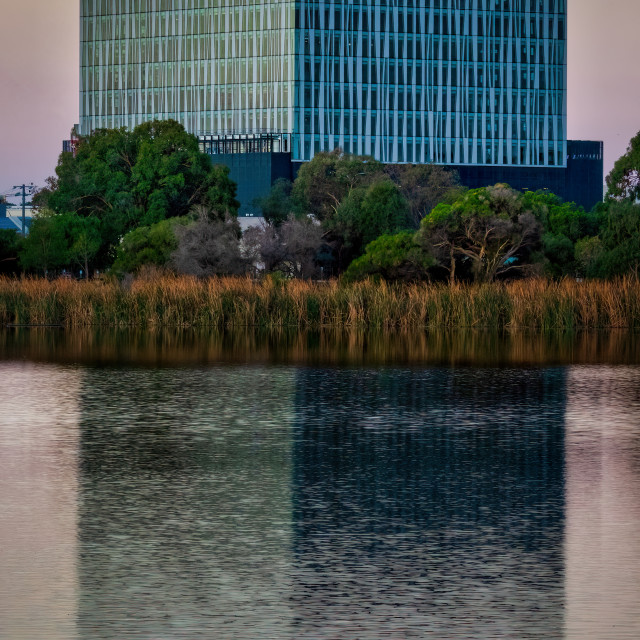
(183, 485)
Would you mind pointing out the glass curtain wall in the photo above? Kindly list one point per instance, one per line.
(445, 81)
(215, 66)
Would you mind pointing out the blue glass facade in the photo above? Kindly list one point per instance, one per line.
(478, 82)
(216, 66)
(445, 81)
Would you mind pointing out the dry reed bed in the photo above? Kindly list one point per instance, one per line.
(234, 302)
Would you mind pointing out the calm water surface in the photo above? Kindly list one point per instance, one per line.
(319, 489)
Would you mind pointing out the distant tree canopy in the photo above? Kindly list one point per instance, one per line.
(128, 179)
(393, 257)
(615, 250)
(324, 183)
(150, 197)
(277, 206)
(356, 199)
(46, 246)
(609, 246)
(482, 235)
(424, 186)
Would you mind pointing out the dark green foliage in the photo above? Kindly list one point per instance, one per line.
(564, 225)
(147, 246)
(357, 199)
(66, 241)
(46, 247)
(9, 246)
(383, 210)
(611, 245)
(277, 206)
(136, 178)
(83, 240)
(624, 180)
(485, 234)
(559, 253)
(327, 180)
(588, 255)
(616, 250)
(392, 257)
(424, 186)
(367, 213)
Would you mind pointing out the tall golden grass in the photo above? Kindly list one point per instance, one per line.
(168, 301)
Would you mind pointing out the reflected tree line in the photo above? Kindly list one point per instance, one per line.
(193, 347)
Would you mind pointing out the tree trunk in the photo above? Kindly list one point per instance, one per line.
(452, 269)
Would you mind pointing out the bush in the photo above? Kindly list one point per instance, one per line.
(392, 257)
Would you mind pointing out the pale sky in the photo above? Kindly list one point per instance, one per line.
(39, 80)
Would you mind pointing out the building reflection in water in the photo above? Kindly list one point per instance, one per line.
(185, 523)
(603, 503)
(429, 503)
(38, 501)
(279, 502)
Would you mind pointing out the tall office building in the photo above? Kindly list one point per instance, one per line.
(476, 84)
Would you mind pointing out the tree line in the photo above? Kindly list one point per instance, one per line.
(149, 197)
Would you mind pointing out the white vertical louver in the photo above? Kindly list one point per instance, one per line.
(446, 81)
(216, 66)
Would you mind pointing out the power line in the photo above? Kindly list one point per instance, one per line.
(26, 189)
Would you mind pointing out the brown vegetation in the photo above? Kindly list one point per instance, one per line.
(162, 300)
(188, 347)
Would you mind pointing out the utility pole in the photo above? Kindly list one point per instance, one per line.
(25, 190)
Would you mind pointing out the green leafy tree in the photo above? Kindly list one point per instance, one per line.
(46, 247)
(588, 255)
(624, 180)
(392, 257)
(136, 178)
(620, 241)
(84, 240)
(277, 206)
(148, 246)
(383, 210)
(485, 234)
(328, 179)
(367, 213)
(424, 186)
(564, 224)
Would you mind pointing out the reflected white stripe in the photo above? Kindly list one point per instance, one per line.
(39, 445)
(602, 543)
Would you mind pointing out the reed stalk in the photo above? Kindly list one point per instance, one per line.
(169, 301)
